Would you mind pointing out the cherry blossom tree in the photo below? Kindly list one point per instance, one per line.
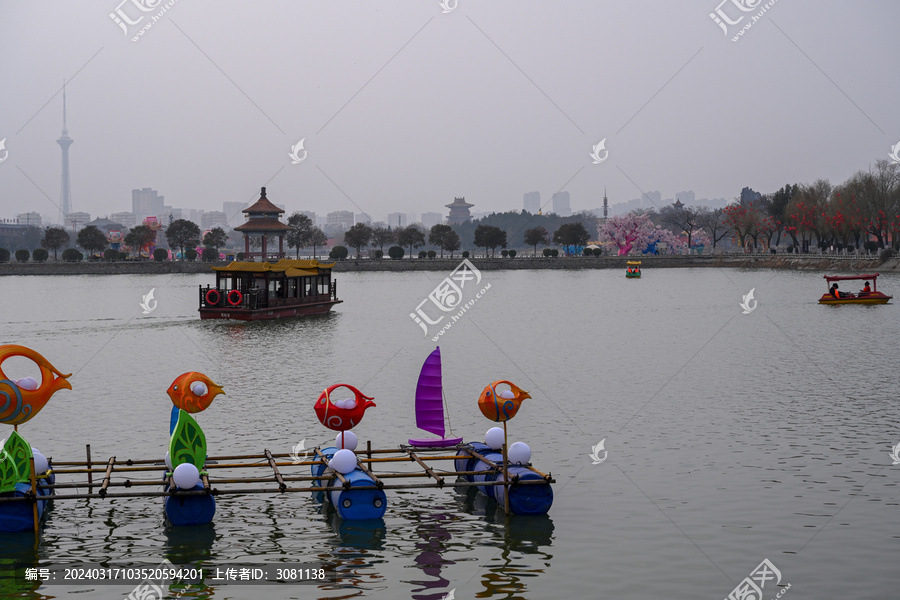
(627, 232)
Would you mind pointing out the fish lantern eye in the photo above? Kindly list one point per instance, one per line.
(199, 388)
(175, 387)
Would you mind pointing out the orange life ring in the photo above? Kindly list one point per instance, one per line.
(240, 297)
(212, 292)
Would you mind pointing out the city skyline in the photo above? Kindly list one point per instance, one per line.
(407, 126)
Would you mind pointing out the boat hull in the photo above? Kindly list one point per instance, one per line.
(435, 442)
(267, 314)
(633, 275)
(872, 298)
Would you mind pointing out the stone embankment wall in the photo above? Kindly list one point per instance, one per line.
(783, 261)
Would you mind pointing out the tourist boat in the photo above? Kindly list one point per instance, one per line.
(873, 297)
(255, 291)
(633, 271)
(430, 404)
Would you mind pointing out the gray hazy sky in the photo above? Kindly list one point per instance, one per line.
(403, 107)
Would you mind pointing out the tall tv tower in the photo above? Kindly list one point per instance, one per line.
(64, 141)
(605, 205)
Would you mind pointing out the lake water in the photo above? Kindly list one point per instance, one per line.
(731, 437)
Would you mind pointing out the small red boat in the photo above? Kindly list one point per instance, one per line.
(834, 296)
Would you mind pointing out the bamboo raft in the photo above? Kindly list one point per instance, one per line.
(281, 476)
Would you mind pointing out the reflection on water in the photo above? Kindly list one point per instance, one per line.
(742, 436)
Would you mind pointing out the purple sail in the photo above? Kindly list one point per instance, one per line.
(429, 398)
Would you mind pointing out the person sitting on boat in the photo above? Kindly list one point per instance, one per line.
(866, 290)
(835, 292)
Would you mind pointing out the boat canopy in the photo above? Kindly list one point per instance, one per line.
(633, 262)
(846, 277)
(290, 267)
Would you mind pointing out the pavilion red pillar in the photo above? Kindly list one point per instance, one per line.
(264, 240)
(246, 245)
(281, 246)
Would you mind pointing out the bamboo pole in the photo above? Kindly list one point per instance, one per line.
(37, 520)
(109, 468)
(266, 490)
(412, 455)
(365, 470)
(87, 449)
(281, 484)
(505, 472)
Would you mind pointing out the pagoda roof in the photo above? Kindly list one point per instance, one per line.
(263, 224)
(263, 205)
(459, 203)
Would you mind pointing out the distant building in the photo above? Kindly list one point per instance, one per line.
(146, 202)
(77, 220)
(686, 198)
(561, 204)
(430, 219)
(532, 202)
(213, 218)
(29, 218)
(106, 225)
(127, 219)
(748, 196)
(397, 220)
(340, 219)
(363, 218)
(232, 212)
(459, 211)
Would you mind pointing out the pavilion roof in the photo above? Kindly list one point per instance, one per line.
(263, 205)
(263, 224)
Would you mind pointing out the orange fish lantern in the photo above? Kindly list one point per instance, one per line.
(343, 414)
(501, 405)
(24, 398)
(193, 392)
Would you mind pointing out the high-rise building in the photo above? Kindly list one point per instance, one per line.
(686, 198)
(64, 141)
(532, 202)
(363, 218)
(77, 220)
(561, 204)
(340, 218)
(396, 220)
(29, 218)
(213, 218)
(127, 219)
(430, 219)
(232, 212)
(459, 211)
(411, 218)
(146, 202)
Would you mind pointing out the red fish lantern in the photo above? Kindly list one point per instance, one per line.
(343, 414)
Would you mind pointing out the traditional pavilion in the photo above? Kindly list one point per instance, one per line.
(459, 211)
(263, 220)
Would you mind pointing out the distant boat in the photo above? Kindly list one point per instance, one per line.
(871, 297)
(634, 269)
(430, 404)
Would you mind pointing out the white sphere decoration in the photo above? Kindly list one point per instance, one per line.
(169, 461)
(494, 438)
(349, 439)
(27, 383)
(506, 394)
(199, 388)
(343, 461)
(186, 476)
(40, 461)
(519, 453)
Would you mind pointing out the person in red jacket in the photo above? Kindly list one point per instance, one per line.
(866, 290)
(835, 292)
